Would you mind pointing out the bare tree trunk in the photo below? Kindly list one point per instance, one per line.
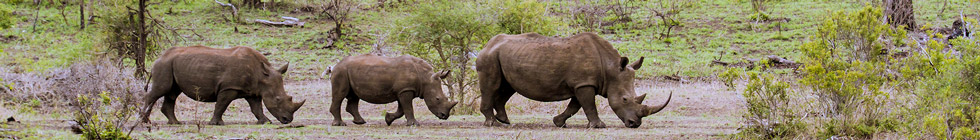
(900, 12)
(81, 17)
(142, 40)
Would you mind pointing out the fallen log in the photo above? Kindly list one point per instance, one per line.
(289, 22)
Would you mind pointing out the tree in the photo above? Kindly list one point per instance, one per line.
(900, 12)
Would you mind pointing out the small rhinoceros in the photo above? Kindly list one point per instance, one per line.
(555, 69)
(219, 75)
(381, 80)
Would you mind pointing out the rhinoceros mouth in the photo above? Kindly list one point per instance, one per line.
(442, 116)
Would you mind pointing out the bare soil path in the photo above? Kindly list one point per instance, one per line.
(700, 110)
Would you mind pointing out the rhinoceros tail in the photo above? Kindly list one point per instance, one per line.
(146, 86)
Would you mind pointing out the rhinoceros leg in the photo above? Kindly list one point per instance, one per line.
(159, 90)
(169, 103)
(352, 109)
(338, 98)
(405, 103)
(502, 97)
(391, 117)
(224, 99)
(572, 108)
(586, 98)
(255, 104)
(486, 106)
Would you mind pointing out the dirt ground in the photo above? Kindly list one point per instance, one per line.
(700, 110)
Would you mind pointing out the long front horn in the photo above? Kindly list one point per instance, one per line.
(654, 109)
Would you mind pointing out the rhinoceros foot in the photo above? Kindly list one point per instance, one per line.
(359, 122)
(560, 121)
(339, 123)
(597, 124)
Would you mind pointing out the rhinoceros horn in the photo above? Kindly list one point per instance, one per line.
(654, 109)
(639, 99)
(296, 105)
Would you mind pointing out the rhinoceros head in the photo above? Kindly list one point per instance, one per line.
(274, 95)
(622, 99)
(435, 98)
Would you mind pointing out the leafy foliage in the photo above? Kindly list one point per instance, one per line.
(6, 17)
(99, 120)
(525, 16)
(446, 33)
(846, 69)
(769, 112)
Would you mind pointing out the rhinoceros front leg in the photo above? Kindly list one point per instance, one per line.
(224, 99)
(255, 104)
(405, 102)
(169, 103)
(352, 109)
(573, 107)
(586, 98)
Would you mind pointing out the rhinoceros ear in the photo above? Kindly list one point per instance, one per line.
(443, 74)
(636, 65)
(282, 70)
(623, 61)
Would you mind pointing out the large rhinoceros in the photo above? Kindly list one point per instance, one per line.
(219, 75)
(555, 69)
(381, 80)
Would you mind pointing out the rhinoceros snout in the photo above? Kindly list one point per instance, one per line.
(442, 116)
(633, 123)
(285, 120)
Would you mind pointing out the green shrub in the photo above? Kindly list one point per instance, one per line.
(524, 16)
(6, 17)
(769, 114)
(846, 68)
(729, 76)
(446, 34)
(98, 120)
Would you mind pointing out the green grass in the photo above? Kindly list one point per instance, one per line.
(709, 30)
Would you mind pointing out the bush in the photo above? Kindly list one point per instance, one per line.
(948, 85)
(133, 34)
(845, 67)
(103, 118)
(446, 34)
(769, 114)
(6, 17)
(525, 16)
(102, 96)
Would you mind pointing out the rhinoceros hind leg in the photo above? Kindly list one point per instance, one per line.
(255, 104)
(335, 110)
(352, 109)
(391, 117)
(169, 103)
(503, 96)
(586, 98)
(573, 107)
(151, 98)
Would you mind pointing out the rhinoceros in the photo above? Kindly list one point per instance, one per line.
(381, 80)
(555, 69)
(219, 75)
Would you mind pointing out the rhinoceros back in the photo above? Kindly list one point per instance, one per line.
(545, 68)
